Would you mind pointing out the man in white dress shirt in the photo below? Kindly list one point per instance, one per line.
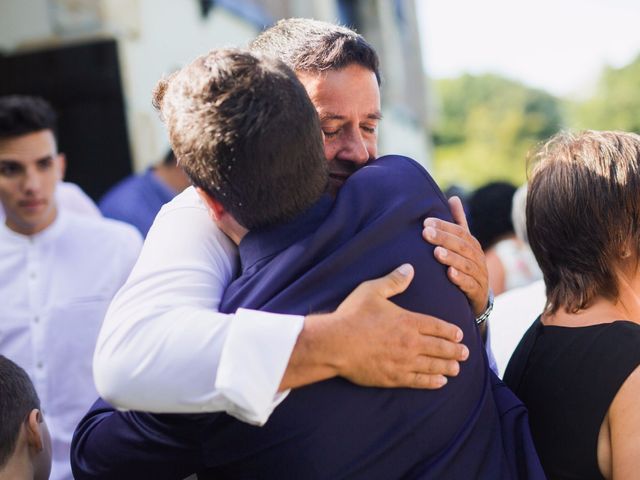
(165, 348)
(58, 271)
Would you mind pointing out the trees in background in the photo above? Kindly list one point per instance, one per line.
(615, 104)
(487, 124)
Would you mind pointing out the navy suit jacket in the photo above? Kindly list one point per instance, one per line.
(472, 428)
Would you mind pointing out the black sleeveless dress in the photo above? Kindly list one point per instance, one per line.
(567, 377)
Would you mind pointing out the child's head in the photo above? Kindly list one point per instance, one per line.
(25, 444)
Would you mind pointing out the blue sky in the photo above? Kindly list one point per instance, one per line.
(559, 45)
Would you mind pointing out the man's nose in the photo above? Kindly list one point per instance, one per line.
(355, 149)
(32, 181)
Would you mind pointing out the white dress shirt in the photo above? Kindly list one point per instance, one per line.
(164, 347)
(55, 287)
(513, 313)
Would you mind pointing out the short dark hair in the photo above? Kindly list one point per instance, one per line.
(17, 398)
(21, 114)
(313, 46)
(490, 212)
(169, 158)
(583, 214)
(245, 131)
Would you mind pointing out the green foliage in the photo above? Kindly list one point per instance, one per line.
(487, 125)
(615, 104)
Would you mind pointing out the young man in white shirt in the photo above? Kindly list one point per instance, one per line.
(58, 271)
(189, 358)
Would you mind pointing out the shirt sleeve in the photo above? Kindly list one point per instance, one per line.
(487, 346)
(164, 347)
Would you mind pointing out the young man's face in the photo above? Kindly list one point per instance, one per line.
(348, 103)
(30, 168)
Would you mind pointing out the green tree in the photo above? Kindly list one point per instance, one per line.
(615, 104)
(487, 124)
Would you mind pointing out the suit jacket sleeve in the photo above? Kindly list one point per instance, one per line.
(110, 444)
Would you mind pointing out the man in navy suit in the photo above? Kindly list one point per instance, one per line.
(248, 136)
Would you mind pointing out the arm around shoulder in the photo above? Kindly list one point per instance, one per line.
(109, 444)
(164, 347)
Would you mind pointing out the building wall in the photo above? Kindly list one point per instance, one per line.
(165, 35)
(23, 21)
(156, 37)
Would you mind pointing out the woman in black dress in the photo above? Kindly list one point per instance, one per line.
(577, 368)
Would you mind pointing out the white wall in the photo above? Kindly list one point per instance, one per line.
(400, 136)
(157, 36)
(166, 35)
(154, 38)
(23, 20)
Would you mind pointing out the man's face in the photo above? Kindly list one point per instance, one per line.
(348, 103)
(30, 168)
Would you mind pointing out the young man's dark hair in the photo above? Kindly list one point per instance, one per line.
(490, 213)
(17, 399)
(314, 46)
(245, 131)
(20, 114)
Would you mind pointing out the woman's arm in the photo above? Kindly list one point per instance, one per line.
(624, 427)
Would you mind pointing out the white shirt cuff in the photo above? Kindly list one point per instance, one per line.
(254, 358)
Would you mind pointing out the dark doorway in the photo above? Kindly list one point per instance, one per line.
(82, 82)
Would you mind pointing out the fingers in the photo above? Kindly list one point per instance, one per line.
(432, 373)
(457, 211)
(428, 382)
(461, 264)
(393, 283)
(462, 272)
(458, 249)
(434, 327)
(437, 366)
(437, 348)
(467, 283)
(452, 237)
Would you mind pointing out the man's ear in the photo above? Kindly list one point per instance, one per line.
(215, 208)
(34, 430)
(62, 165)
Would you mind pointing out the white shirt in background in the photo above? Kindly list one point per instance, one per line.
(55, 287)
(513, 313)
(164, 347)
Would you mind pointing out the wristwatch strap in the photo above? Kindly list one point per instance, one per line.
(485, 315)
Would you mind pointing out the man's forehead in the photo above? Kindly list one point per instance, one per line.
(337, 94)
(329, 115)
(28, 147)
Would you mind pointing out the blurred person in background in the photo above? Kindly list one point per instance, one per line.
(137, 199)
(511, 316)
(71, 197)
(509, 261)
(188, 357)
(58, 271)
(577, 368)
(25, 443)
